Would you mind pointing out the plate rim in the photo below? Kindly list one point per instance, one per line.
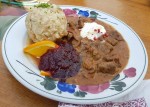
(73, 100)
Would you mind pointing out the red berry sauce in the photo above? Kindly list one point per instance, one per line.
(62, 63)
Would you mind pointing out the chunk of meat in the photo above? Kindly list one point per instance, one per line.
(72, 22)
(105, 47)
(116, 35)
(112, 41)
(107, 67)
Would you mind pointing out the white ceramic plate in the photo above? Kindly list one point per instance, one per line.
(28, 74)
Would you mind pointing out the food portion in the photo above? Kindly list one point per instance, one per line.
(46, 22)
(62, 62)
(91, 52)
(102, 57)
(39, 48)
(92, 31)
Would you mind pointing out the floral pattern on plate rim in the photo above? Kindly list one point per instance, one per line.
(116, 84)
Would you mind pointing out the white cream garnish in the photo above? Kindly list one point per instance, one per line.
(92, 31)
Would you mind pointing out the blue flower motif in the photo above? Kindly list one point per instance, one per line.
(66, 87)
(83, 13)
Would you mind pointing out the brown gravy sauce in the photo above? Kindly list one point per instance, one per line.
(102, 59)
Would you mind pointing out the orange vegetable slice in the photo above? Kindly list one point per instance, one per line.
(39, 48)
(43, 73)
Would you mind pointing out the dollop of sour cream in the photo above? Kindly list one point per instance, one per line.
(92, 31)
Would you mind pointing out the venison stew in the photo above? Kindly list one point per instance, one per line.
(100, 59)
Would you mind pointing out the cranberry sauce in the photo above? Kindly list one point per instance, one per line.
(62, 63)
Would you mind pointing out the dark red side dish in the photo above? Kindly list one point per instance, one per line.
(62, 63)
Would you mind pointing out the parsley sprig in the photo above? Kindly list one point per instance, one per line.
(43, 5)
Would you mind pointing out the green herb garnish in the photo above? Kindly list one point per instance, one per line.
(43, 5)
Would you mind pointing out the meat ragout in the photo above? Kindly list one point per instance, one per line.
(101, 59)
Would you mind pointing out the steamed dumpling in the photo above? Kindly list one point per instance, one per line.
(46, 22)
